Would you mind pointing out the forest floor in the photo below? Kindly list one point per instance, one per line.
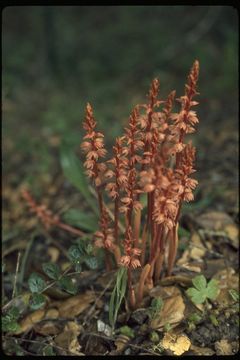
(78, 324)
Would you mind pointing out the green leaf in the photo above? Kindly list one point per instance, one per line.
(75, 253)
(9, 323)
(196, 296)
(37, 301)
(213, 319)
(212, 289)
(14, 313)
(52, 270)
(78, 267)
(118, 294)
(68, 285)
(126, 330)
(36, 283)
(234, 294)
(11, 326)
(75, 173)
(194, 317)
(85, 221)
(48, 351)
(157, 303)
(156, 306)
(91, 262)
(199, 282)
(89, 249)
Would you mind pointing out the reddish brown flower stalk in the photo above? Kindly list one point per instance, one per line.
(119, 163)
(184, 185)
(130, 261)
(134, 144)
(94, 149)
(185, 120)
(47, 218)
(165, 146)
(184, 123)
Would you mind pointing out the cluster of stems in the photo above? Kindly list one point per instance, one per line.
(151, 162)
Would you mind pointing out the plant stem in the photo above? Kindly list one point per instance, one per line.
(132, 298)
(116, 214)
(16, 274)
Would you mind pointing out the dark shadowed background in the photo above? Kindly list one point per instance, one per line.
(55, 59)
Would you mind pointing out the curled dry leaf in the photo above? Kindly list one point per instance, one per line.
(172, 311)
(178, 344)
(121, 342)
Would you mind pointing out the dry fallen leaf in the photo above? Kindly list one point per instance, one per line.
(54, 253)
(227, 280)
(233, 234)
(121, 342)
(197, 250)
(75, 305)
(214, 220)
(68, 339)
(223, 347)
(48, 328)
(52, 314)
(220, 221)
(30, 320)
(192, 267)
(172, 311)
(202, 351)
(178, 344)
(184, 258)
(164, 291)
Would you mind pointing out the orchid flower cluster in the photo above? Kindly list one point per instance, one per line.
(151, 160)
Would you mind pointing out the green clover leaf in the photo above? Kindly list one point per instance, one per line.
(203, 291)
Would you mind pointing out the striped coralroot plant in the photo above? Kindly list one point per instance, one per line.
(153, 162)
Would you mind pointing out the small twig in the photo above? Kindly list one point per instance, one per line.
(16, 274)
